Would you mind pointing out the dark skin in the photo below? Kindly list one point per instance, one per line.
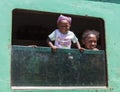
(63, 26)
(90, 42)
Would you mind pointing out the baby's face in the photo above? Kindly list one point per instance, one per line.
(64, 26)
(90, 42)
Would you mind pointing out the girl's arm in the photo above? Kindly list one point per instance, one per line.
(79, 47)
(51, 45)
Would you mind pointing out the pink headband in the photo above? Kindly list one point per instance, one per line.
(61, 17)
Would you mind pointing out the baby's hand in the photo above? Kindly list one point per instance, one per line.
(82, 49)
(54, 49)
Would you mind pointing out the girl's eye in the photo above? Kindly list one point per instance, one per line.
(63, 26)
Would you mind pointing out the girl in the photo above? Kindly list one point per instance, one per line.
(89, 39)
(63, 36)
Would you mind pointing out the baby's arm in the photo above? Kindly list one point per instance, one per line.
(78, 46)
(51, 45)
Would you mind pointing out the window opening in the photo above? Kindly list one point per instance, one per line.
(32, 28)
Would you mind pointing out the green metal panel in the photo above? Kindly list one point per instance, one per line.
(110, 13)
(40, 67)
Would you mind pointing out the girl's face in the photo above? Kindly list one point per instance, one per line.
(90, 42)
(64, 26)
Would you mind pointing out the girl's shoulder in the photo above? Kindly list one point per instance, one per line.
(57, 30)
(70, 32)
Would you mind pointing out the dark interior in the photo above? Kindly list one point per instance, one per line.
(33, 27)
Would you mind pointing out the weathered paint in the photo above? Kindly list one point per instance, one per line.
(110, 13)
(40, 67)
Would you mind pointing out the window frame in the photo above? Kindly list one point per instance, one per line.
(16, 40)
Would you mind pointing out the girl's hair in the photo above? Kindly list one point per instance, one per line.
(88, 32)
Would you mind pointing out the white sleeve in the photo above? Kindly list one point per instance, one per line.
(75, 39)
(52, 36)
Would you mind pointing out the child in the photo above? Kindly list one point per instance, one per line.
(89, 39)
(63, 36)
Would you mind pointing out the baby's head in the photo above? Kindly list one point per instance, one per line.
(64, 23)
(89, 39)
